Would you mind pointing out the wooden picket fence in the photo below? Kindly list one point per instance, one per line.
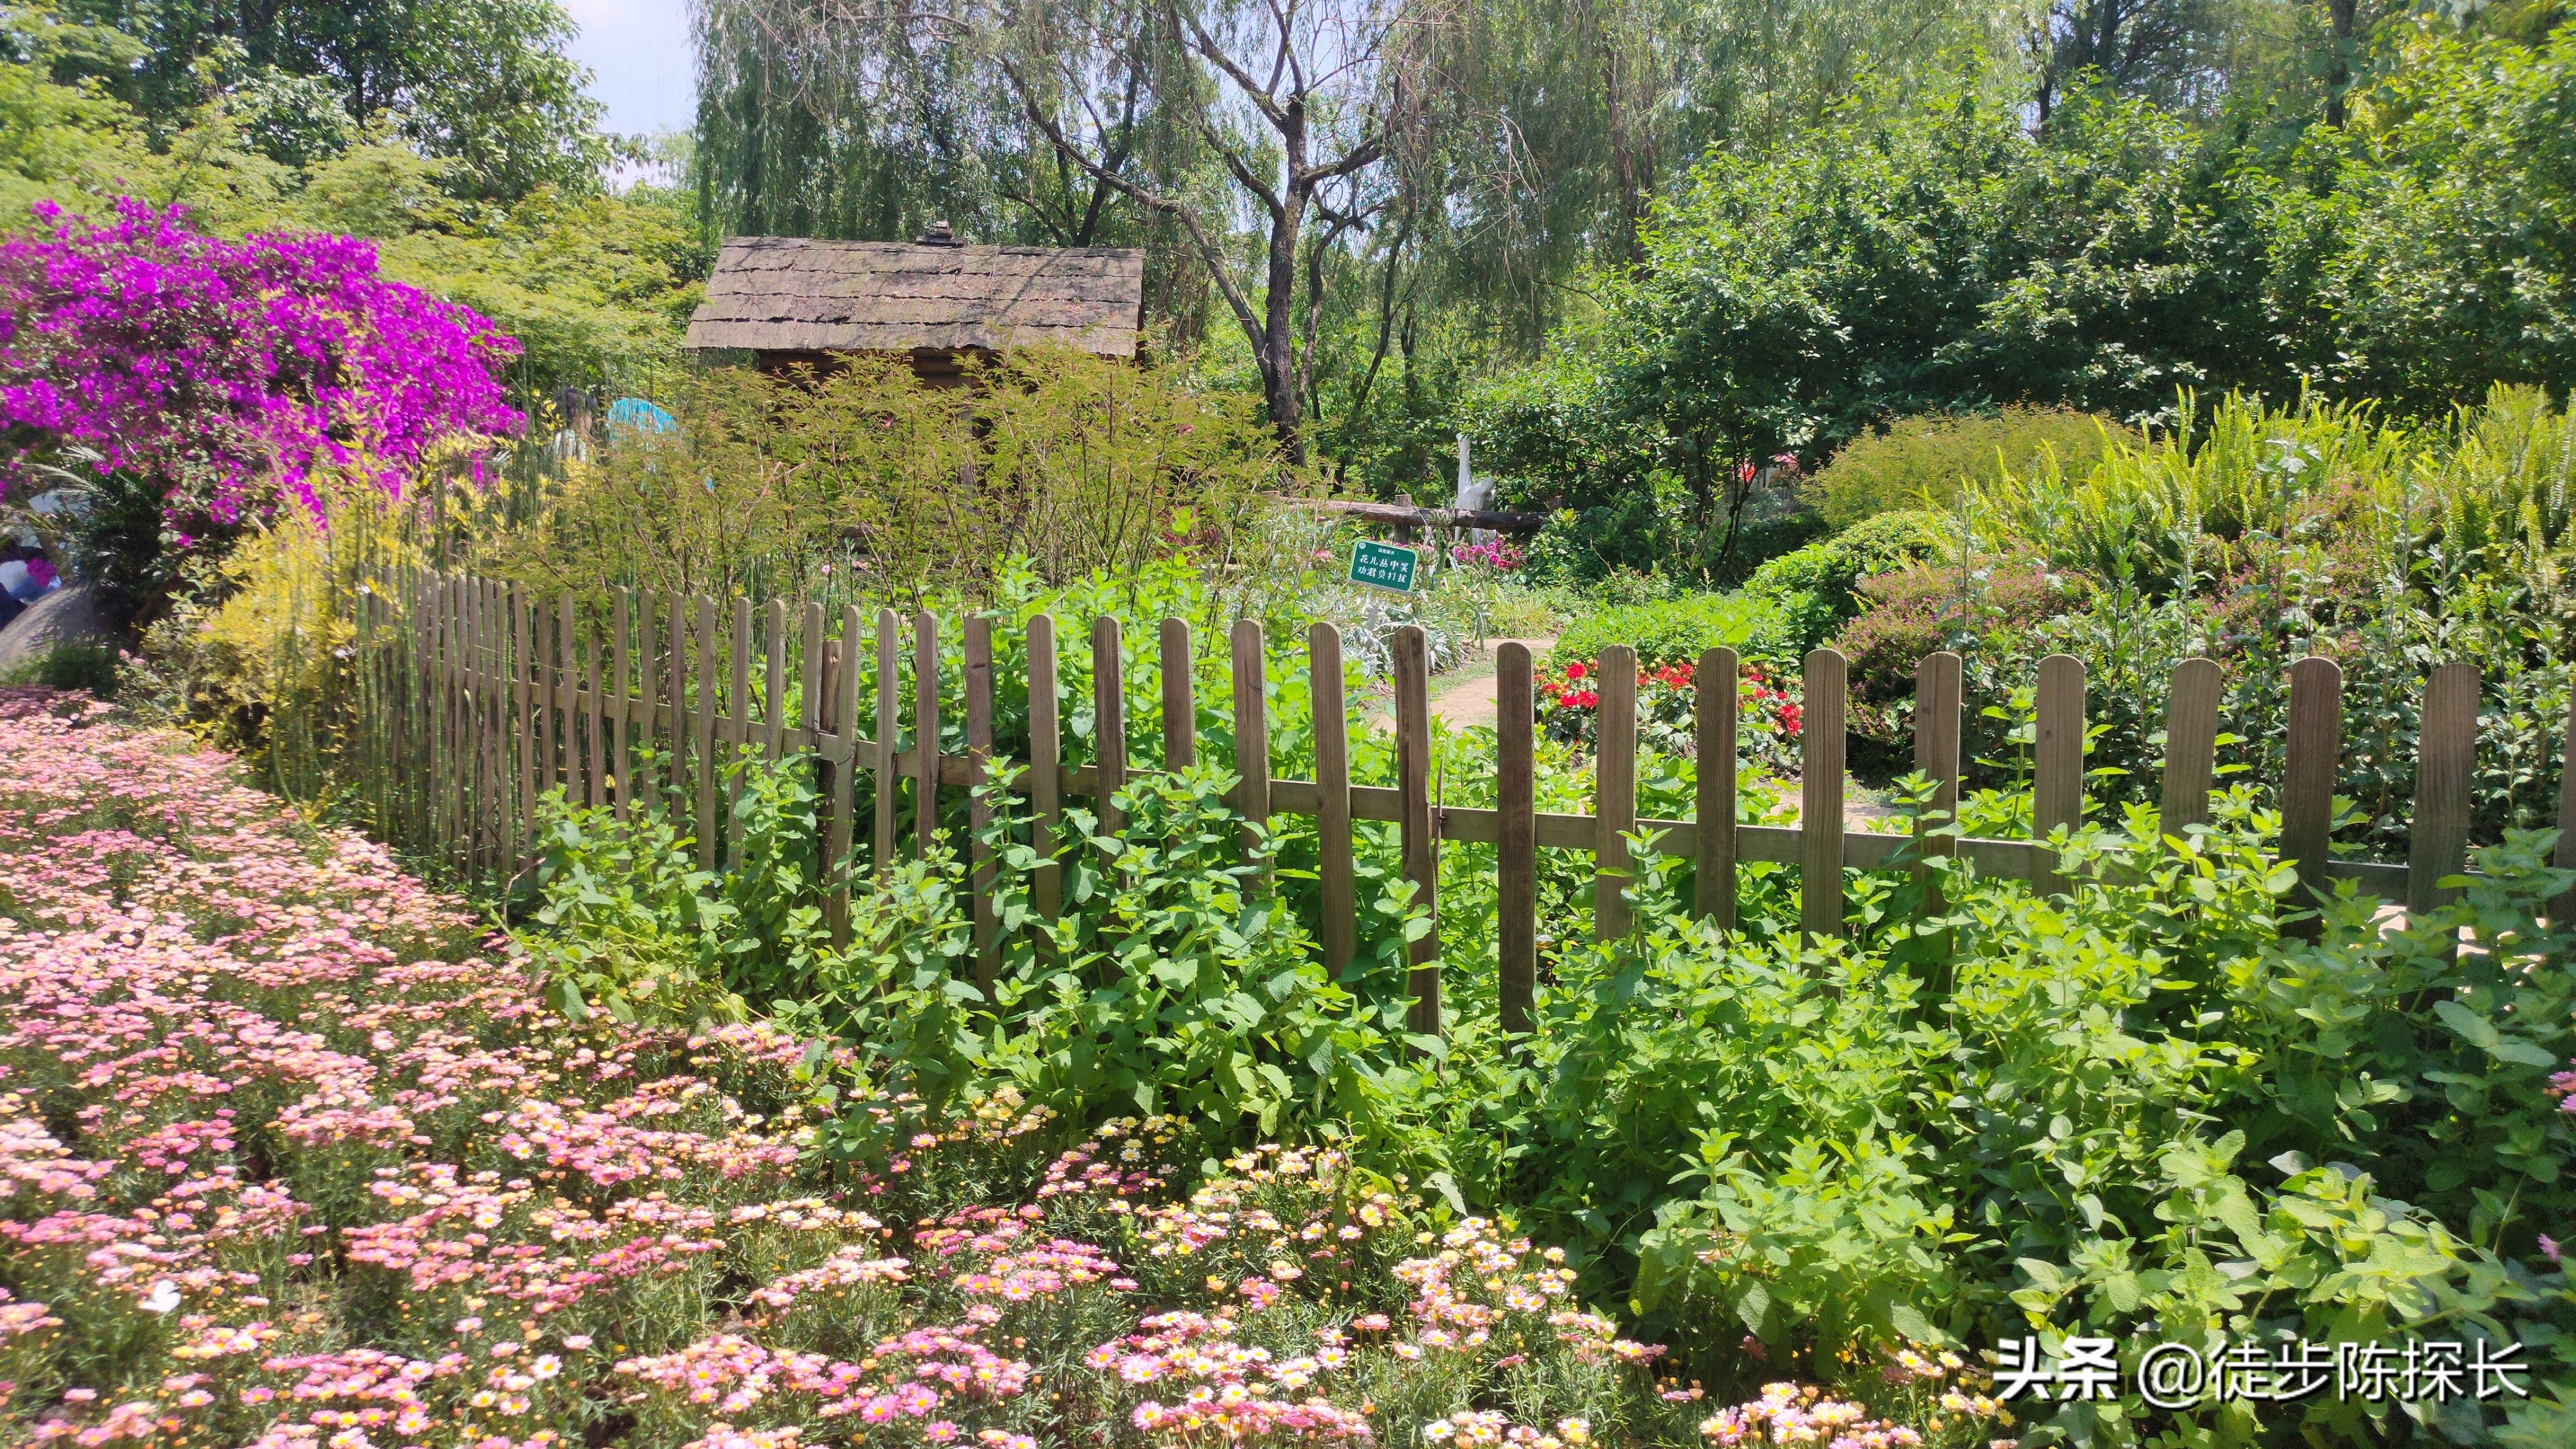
(476, 698)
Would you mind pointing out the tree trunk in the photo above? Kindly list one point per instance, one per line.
(2339, 18)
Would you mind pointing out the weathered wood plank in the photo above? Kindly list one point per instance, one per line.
(841, 714)
(703, 741)
(978, 651)
(1108, 723)
(1614, 779)
(737, 727)
(889, 726)
(620, 710)
(2313, 754)
(2191, 746)
(1516, 848)
(1820, 796)
(773, 700)
(2057, 755)
(1251, 728)
(647, 715)
(523, 690)
(1046, 763)
(2446, 752)
(596, 716)
(675, 685)
(1938, 686)
(1180, 701)
(925, 730)
(1714, 688)
(1338, 930)
(568, 695)
(1420, 847)
(548, 662)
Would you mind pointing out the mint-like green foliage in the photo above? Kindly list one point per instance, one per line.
(1810, 591)
(2142, 1110)
(1671, 632)
(640, 930)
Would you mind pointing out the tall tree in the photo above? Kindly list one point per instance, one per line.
(2158, 50)
(483, 82)
(1215, 117)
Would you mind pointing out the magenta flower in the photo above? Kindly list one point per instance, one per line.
(220, 367)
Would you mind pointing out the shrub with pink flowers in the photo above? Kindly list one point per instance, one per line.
(287, 1163)
(1499, 554)
(212, 368)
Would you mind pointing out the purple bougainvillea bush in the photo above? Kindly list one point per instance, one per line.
(283, 1163)
(220, 369)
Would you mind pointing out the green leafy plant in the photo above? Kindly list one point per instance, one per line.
(1922, 461)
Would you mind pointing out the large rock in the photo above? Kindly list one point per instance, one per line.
(64, 616)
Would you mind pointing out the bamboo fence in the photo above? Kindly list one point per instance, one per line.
(476, 699)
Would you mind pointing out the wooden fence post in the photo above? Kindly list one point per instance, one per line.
(1820, 796)
(1421, 850)
(1046, 771)
(598, 729)
(1516, 832)
(889, 728)
(1180, 701)
(568, 690)
(542, 696)
(737, 726)
(1714, 686)
(1937, 692)
(470, 721)
(460, 729)
(2446, 754)
(1108, 725)
(642, 710)
(773, 696)
(1251, 730)
(978, 649)
(621, 662)
(1614, 779)
(675, 685)
(703, 741)
(925, 729)
(1339, 928)
(2057, 760)
(2191, 747)
(844, 722)
(2312, 757)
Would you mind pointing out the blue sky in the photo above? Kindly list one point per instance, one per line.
(638, 53)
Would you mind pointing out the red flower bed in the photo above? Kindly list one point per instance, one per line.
(1768, 710)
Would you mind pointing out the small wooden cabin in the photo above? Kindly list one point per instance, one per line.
(935, 301)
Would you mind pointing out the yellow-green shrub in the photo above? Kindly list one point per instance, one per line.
(1927, 457)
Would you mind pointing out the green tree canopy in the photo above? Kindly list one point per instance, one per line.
(485, 83)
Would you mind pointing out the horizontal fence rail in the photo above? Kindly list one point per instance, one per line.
(476, 699)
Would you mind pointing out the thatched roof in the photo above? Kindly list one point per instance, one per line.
(792, 294)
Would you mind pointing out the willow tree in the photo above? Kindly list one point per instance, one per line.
(1070, 120)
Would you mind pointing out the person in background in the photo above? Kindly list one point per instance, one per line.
(572, 438)
(25, 575)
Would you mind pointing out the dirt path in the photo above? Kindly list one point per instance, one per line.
(1467, 697)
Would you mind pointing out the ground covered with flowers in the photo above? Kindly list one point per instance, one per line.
(286, 1162)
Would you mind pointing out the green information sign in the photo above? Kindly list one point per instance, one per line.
(1383, 566)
